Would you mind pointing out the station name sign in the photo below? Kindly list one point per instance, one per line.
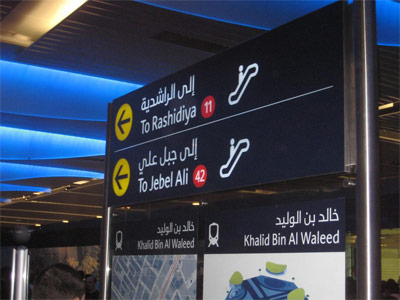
(270, 109)
(309, 226)
(157, 237)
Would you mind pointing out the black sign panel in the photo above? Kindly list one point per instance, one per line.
(163, 236)
(312, 226)
(270, 109)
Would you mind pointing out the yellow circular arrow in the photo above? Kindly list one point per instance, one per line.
(121, 177)
(123, 122)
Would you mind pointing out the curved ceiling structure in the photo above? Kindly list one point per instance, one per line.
(57, 94)
(45, 145)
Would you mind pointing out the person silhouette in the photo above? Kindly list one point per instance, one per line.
(91, 291)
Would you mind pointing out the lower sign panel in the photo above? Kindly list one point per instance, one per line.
(288, 251)
(274, 276)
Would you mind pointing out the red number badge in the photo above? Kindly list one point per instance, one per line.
(199, 176)
(208, 107)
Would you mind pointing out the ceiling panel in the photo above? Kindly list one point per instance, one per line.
(6, 6)
(111, 39)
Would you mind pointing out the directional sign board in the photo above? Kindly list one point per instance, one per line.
(270, 109)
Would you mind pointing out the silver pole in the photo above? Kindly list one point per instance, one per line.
(13, 271)
(106, 224)
(106, 266)
(368, 208)
(21, 276)
(27, 265)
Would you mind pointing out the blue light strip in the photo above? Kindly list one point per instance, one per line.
(13, 171)
(5, 200)
(389, 45)
(36, 91)
(4, 187)
(23, 144)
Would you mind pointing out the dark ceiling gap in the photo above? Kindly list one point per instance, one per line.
(188, 42)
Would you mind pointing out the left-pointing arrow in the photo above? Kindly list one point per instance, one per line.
(123, 121)
(121, 176)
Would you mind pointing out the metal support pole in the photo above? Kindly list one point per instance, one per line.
(13, 272)
(368, 208)
(105, 278)
(106, 224)
(21, 275)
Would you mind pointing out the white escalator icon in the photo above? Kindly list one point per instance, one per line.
(236, 152)
(244, 79)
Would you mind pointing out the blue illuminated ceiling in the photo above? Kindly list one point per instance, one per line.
(44, 145)
(13, 187)
(50, 114)
(388, 22)
(43, 92)
(13, 171)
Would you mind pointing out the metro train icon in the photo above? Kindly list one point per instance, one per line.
(118, 240)
(213, 234)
